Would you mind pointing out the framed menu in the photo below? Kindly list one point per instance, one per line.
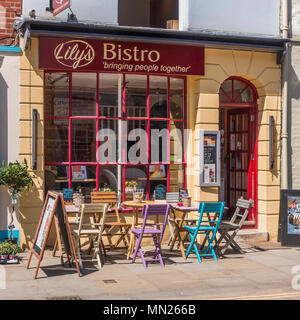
(210, 158)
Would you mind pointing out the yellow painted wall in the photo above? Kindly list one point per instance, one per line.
(203, 113)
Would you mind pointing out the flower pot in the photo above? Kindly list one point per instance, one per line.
(12, 258)
(3, 258)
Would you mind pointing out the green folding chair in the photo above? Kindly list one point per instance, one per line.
(208, 227)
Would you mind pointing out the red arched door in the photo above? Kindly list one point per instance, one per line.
(238, 122)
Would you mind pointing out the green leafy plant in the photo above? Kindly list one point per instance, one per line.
(16, 177)
(131, 184)
(9, 248)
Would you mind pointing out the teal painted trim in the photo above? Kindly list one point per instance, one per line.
(10, 49)
(4, 234)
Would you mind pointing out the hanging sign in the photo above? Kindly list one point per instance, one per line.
(121, 57)
(209, 158)
(60, 5)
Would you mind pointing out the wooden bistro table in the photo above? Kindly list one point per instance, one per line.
(178, 223)
(135, 211)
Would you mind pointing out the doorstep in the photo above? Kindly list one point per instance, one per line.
(252, 235)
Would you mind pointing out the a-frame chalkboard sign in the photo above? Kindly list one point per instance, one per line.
(53, 209)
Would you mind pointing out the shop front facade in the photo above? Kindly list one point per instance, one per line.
(118, 109)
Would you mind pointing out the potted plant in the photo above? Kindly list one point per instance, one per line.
(13, 250)
(16, 178)
(4, 251)
(131, 186)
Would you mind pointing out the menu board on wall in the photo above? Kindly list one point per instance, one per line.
(289, 224)
(209, 158)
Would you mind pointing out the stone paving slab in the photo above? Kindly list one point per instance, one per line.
(258, 271)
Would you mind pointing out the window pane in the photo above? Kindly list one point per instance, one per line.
(158, 97)
(56, 178)
(57, 140)
(57, 95)
(83, 140)
(176, 177)
(108, 177)
(176, 98)
(108, 95)
(226, 91)
(108, 141)
(135, 174)
(84, 94)
(136, 95)
(176, 141)
(159, 137)
(84, 180)
(137, 141)
(158, 175)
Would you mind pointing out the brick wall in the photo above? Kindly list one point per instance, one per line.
(7, 15)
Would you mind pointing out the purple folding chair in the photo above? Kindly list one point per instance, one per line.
(151, 230)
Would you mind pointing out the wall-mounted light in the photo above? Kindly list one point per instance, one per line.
(34, 139)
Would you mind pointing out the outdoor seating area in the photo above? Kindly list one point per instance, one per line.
(193, 229)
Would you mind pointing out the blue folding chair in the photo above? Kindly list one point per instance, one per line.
(208, 227)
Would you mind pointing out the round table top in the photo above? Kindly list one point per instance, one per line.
(194, 207)
(131, 203)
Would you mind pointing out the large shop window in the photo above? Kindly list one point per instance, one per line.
(105, 130)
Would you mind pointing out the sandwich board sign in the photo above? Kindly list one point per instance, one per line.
(53, 209)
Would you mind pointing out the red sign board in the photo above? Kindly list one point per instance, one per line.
(122, 57)
(60, 5)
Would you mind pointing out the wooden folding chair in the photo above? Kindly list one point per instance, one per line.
(91, 229)
(207, 227)
(112, 218)
(229, 229)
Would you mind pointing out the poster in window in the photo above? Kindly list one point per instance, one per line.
(210, 158)
(79, 173)
(289, 222)
(293, 215)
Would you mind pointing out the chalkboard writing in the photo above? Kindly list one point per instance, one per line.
(160, 192)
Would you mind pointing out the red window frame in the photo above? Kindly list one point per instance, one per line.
(124, 164)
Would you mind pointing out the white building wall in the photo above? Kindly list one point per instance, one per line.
(9, 124)
(102, 11)
(246, 16)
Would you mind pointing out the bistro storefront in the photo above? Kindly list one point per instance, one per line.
(118, 109)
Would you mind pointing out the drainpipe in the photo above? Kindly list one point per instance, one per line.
(284, 126)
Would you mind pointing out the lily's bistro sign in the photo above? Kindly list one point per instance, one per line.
(113, 56)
